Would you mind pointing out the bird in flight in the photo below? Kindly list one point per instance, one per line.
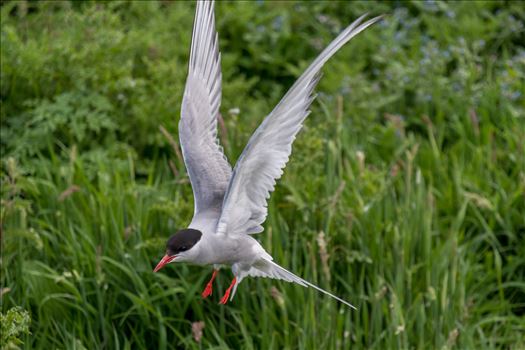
(231, 205)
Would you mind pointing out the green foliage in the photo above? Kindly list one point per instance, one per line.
(14, 323)
(404, 194)
(74, 118)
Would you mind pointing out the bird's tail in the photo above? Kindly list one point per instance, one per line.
(268, 268)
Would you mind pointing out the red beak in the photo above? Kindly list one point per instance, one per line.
(164, 261)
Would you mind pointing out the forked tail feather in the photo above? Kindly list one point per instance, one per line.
(267, 268)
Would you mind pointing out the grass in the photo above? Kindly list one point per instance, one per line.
(404, 193)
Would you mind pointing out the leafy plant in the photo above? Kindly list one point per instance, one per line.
(13, 324)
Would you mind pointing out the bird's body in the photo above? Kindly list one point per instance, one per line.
(231, 204)
(223, 250)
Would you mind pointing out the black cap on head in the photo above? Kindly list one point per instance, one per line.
(182, 241)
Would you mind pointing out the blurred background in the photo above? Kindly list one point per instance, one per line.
(404, 193)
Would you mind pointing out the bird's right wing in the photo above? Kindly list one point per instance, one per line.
(205, 161)
(244, 208)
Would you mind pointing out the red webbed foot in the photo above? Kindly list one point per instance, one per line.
(226, 295)
(208, 290)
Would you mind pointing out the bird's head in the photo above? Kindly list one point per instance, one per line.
(179, 247)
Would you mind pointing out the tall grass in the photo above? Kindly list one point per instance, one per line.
(404, 193)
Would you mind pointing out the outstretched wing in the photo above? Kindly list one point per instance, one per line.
(205, 161)
(261, 163)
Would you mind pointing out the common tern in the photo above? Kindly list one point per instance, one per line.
(231, 205)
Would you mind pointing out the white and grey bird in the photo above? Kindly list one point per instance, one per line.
(231, 205)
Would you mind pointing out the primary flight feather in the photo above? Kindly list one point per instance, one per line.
(232, 205)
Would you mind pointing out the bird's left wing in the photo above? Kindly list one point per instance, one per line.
(205, 161)
(261, 163)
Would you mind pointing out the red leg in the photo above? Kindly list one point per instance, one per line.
(208, 289)
(226, 295)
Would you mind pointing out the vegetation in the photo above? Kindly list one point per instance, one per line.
(404, 194)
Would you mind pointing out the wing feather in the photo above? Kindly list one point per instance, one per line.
(207, 166)
(244, 209)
